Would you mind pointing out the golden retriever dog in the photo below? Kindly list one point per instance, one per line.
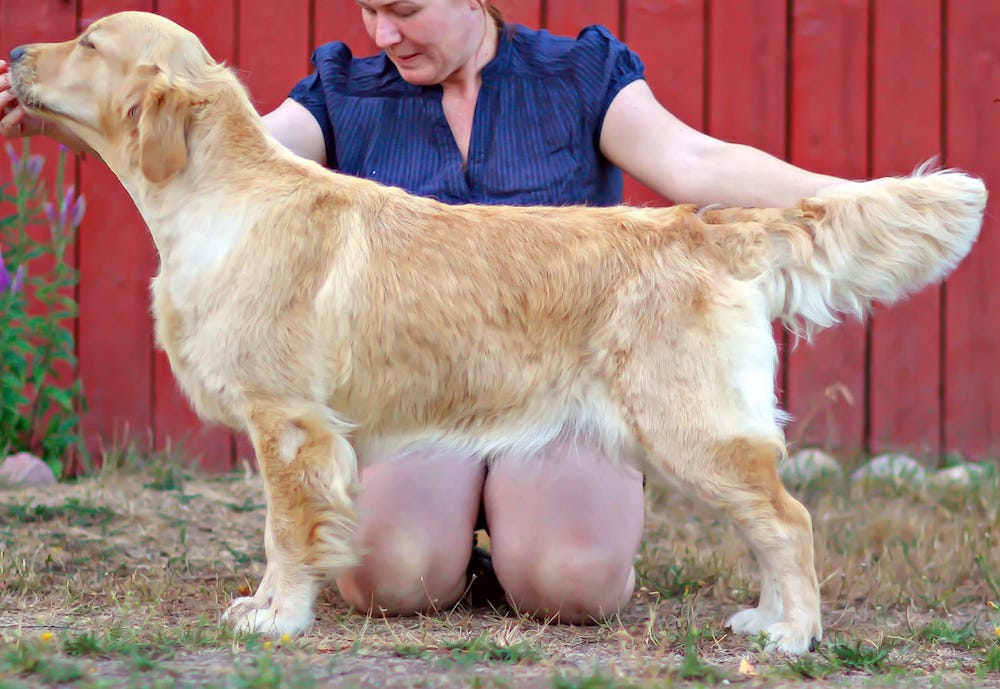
(329, 316)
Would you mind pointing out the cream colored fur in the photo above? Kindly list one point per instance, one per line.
(330, 316)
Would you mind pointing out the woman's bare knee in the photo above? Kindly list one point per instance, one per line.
(565, 527)
(570, 583)
(403, 575)
(417, 513)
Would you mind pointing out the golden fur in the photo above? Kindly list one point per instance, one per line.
(330, 316)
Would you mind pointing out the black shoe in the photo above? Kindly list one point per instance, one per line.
(484, 590)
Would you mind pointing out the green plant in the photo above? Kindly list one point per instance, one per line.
(812, 667)
(692, 666)
(483, 649)
(596, 681)
(990, 664)
(264, 671)
(941, 632)
(37, 659)
(39, 408)
(860, 655)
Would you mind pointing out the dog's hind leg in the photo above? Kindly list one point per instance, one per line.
(699, 404)
(779, 531)
(310, 474)
(740, 477)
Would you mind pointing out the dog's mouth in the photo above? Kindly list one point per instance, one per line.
(22, 79)
(23, 82)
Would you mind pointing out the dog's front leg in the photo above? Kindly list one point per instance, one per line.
(310, 475)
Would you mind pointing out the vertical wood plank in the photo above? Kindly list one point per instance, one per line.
(117, 260)
(829, 86)
(669, 36)
(273, 48)
(31, 21)
(747, 92)
(972, 294)
(746, 73)
(568, 17)
(176, 426)
(905, 381)
(527, 12)
(213, 22)
(340, 20)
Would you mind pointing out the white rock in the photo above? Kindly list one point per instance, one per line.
(958, 476)
(25, 469)
(896, 469)
(807, 466)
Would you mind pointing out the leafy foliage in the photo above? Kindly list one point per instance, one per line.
(39, 407)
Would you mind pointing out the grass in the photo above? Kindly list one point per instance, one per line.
(940, 631)
(595, 681)
(118, 580)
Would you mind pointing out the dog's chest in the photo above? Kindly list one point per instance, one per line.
(204, 354)
(193, 302)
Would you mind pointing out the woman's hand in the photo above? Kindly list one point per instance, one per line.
(14, 121)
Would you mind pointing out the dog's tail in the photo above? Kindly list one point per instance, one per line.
(861, 242)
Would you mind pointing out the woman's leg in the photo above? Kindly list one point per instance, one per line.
(565, 528)
(417, 513)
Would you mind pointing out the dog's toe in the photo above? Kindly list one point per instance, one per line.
(793, 639)
(245, 615)
(752, 621)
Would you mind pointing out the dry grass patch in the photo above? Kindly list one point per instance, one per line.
(119, 579)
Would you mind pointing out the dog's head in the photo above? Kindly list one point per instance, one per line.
(126, 86)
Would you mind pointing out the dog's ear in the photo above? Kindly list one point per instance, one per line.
(163, 116)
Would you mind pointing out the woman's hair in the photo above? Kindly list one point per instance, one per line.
(493, 11)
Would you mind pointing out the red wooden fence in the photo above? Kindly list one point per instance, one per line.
(851, 87)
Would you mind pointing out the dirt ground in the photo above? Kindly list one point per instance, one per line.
(119, 580)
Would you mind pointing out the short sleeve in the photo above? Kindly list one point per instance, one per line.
(313, 92)
(603, 66)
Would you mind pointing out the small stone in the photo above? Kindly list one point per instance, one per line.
(895, 469)
(959, 476)
(25, 469)
(808, 466)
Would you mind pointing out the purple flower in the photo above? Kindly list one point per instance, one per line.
(6, 283)
(71, 209)
(18, 284)
(25, 171)
(4, 275)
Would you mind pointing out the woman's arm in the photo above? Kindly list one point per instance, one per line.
(296, 128)
(687, 166)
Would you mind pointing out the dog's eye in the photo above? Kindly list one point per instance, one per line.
(85, 42)
(134, 111)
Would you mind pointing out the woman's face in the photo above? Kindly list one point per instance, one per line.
(427, 40)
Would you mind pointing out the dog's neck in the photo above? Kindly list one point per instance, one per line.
(200, 214)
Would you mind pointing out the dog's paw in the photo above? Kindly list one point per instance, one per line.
(753, 621)
(247, 615)
(793, 639)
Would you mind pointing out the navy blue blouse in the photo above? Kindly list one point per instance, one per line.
(535, 131)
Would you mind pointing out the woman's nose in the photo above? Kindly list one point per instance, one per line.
(386, 32)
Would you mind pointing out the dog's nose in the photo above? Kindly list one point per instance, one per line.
(16, 53)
